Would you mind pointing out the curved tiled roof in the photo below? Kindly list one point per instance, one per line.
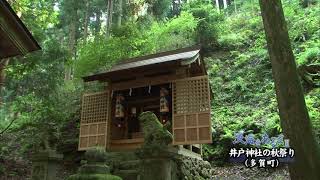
(185, 54)
(156, 60)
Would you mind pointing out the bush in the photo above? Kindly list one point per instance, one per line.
(209, 18)
(242, 81)
(93, 177)
(96, 155)
(313, 105)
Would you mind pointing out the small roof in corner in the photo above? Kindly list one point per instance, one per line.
(15, 39)
(184, 54)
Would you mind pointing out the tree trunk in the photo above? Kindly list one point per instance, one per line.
(3, 64)
(119, 18)
(86, 21)
(294, 116)
(225, 4)
(72, 44)
(174, 7)
(252, 7)
(109, 17)
(98, 22)
(217, 5)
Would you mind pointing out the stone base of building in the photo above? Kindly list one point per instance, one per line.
(165, 165)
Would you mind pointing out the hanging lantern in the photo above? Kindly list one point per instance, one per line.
(164, 103)
(133, 110)
(119, 112)
(119, 123)
(164, 120)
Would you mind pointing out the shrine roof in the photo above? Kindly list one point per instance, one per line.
(185, 54)
(15, 38)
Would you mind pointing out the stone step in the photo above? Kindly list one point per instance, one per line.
(128, 174)
(129, 165)
(94, 168)
(122, 156)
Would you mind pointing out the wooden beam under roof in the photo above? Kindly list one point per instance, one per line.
(133, 73)
(15, 38)
(142, 82)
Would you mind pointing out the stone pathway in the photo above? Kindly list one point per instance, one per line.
(240, 172)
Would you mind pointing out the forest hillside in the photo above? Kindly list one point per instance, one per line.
(42, 91)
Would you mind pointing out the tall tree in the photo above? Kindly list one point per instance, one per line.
(109, 17)
(119, 18)
(3, 64)
(86, 20)
(35, 19)
(225, 4)
(70, 19)
(159, 8)
(175, 7)
(98, 21)
(217, 5)
(294, 116)
(71, 45)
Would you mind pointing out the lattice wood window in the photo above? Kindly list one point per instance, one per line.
(94, 116)
(191, 111)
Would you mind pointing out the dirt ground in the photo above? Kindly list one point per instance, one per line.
(229, 172)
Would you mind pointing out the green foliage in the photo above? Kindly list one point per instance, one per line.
(109, 52)
(196, 23)
(95, 155)
(132, 40)
(45, 109)
(156, 136)
(95, 167)
(207, 28)
(2, 169)
(313, 105)
(309, 56)
(304, 32)
(93, 177)
(38, 15)
(172, 34)
(159, 8)
(36, 107)
(241, 78)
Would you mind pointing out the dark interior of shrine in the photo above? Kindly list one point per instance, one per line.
(135, 101)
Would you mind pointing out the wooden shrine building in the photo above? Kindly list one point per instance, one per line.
(174, 85)
(15, 39)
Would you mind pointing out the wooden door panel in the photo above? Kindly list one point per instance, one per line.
(94, 120)
(191, 111)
